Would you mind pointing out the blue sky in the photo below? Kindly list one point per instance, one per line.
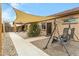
(40, 9)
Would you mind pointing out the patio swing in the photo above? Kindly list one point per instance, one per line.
(68, 34)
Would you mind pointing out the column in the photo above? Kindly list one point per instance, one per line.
(0, 30)
(14, 27)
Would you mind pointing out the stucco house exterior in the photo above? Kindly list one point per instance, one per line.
(46, 23)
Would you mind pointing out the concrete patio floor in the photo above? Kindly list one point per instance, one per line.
(36, 38)
(56, 49)
(25, 48)
(34, 46)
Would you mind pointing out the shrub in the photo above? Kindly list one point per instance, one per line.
(34, 30)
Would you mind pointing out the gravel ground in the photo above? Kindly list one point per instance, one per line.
(56, 49)
(8, 47)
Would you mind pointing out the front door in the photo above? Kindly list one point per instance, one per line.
(49, 28)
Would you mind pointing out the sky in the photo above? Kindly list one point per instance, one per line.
(39, 9)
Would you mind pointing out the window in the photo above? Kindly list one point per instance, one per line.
(71, 20)
(43, 26)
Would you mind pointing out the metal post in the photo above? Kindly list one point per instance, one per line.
(55, 26)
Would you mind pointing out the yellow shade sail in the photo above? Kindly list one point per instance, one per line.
(22, 17)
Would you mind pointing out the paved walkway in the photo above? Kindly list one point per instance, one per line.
(24, 48)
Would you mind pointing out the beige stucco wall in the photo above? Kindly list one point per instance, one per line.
(61, 26)
(76, 26)
(43, 31)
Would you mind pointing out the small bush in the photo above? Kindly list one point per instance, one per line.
(34, 30)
